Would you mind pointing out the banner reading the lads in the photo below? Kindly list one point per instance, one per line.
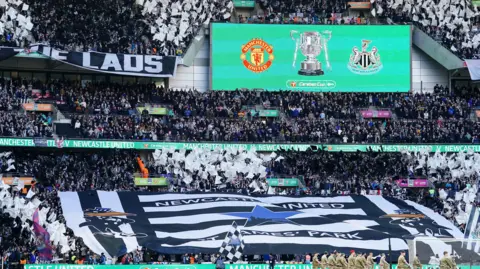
(115, 223)
(120, 64)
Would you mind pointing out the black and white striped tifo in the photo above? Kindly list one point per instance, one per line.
(118, 222)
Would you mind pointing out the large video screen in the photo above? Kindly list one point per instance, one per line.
(314, 58)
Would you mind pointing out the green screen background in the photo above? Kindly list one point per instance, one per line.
(393, 44)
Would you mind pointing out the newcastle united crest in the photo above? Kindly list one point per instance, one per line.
(365, 62)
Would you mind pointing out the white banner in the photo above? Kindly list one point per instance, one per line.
(474, 69)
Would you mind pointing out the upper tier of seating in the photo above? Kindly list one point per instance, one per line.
(167, 27)
(109, 111)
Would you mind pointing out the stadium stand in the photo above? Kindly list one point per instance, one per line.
(324, 174)
(452, 194)
(109, 111)
(126, 112)
(134, 26)
(459, 33)
(112, 26)
(255, 130)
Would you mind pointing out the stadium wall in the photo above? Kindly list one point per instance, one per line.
(195, 76)
(426, 72)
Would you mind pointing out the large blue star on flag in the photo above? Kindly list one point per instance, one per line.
(261, 215)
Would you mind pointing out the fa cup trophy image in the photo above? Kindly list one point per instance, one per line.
(311, 45)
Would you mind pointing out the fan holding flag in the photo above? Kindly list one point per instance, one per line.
(42, 239)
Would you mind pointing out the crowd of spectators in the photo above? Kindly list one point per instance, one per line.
(321, 173)
(109, 111)
(376, 173)
(26, 124)
(118, 99)
(124, 26)
(53, 172)
(106, 170)
(18, 245)
(424, 118)
(303, 12)
(112, 98)
(15, 92)
(458, 33)
(309, 117)
(452, 191)
(305, 130)
(167, 28)
(104, 98)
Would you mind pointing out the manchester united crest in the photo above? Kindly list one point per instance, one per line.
(257, 55)
(365, 62)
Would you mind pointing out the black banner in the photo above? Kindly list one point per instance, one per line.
(6, 53)
(120, 64)
(116, 223)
